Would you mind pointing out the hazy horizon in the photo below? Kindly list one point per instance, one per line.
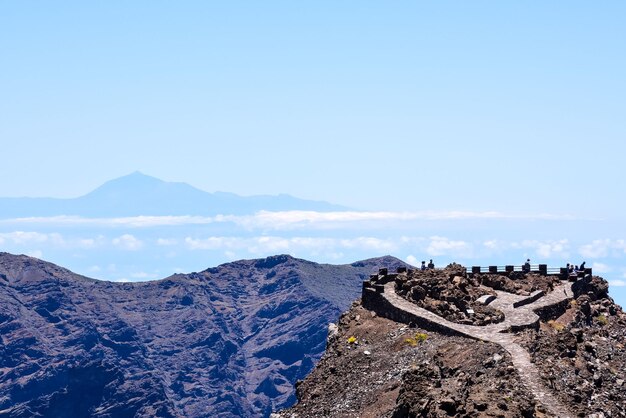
(470, 132)
(140, 247)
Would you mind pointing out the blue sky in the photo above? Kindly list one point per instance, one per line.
(421, 105)
(516, 107)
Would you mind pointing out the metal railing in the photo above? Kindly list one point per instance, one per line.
(542, 269)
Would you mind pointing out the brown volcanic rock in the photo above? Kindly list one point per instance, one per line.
(388, 372)
(228, 341)
(582, 354)
(376, 367)
(517, 282)
(448, 293)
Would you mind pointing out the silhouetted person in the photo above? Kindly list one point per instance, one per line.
(582, 266)
(573, 272)
(526, 266)
(430, 264)
(423, 266)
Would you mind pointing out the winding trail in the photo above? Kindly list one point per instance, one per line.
(523, 316)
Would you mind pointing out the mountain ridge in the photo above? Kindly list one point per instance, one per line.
(139, 194)
(228, 341)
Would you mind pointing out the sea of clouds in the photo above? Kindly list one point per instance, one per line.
(153, 247)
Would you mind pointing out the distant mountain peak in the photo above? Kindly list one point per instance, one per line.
(139, 185)
(134, 179)
(140, 176)
(137, 176)
(138, 194)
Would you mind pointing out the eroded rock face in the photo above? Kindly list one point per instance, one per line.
(409, 372)
(230, 341)
(593, 286)
(581, 354)
(577, 359)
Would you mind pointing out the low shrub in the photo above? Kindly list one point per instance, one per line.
(556, 325)
(602, 320)
(416, 339)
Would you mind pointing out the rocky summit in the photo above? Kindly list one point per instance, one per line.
(448, 343)
(230, 341)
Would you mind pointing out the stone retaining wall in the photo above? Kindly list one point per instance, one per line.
(552, 311)
(530, 299)
(374, 301)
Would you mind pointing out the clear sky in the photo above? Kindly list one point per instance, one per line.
(515, 106)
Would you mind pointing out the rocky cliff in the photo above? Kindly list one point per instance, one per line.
(229, 341)
(423, 348)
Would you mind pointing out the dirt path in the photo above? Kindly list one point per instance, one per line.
(515, 318)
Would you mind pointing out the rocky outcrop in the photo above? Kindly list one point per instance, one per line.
(393, 370)
(559, 352)
(449, 293)
(229, 341)
(580, 355)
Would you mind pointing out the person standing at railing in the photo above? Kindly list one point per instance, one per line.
(526, 266)
(572, 271)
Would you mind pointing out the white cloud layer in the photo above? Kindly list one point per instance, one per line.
(276, 244)
(600, 267)
(493, 244)
(333, 248)
(545, 249)
(51, 240)
(440, 246)
(127, 242)
(27, 238)
(412, 260)
(601, 248)
(166, 241)
(283, 220)
(35, 253)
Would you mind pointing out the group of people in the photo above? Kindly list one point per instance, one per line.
(430, 265)
(573, 270)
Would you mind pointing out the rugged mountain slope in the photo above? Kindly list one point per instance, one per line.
(228, 341)
(377, 367)
(388, 372)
